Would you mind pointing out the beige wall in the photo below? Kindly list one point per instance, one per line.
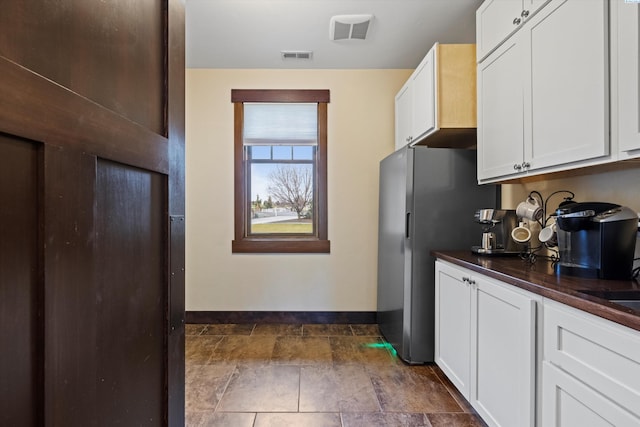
(618, 186)
(360, 134)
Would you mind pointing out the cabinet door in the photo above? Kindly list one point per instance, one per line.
(569, 402)
(495, 20)
(403, 117)
(532, 6)
(453, 327)
(500, 111)
(503, 351)
(566, 108)
(628, 75)
(424, 97)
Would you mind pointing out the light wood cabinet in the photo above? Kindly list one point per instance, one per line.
(497, 19)
(625, 90)
(486, 344)
(437, 104)
(591, 370)
(543, 95)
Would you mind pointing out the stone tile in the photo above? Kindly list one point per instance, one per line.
(366, 330)
(385, 419)
(278, 329)
(362, 350)
(457, 420)
(228, 329)
(245, 349)
(267, 388)
(193, 329)
(326, 330)
(411, 389)
(228, 419)
(200, 348)
(192, 419)
(345, 388)
(301, 350)
(464, 404)
(298, 420)
(205, 384)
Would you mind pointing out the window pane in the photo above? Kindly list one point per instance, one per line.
(282, 152)
(281, 198)
(261, 152)
(303, 152)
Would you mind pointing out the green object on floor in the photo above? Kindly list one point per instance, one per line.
(382, 345)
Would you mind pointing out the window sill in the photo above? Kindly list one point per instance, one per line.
(275, 245)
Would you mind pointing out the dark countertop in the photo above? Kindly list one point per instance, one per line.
(540, 278)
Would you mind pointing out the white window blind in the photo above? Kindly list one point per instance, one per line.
(280, 123)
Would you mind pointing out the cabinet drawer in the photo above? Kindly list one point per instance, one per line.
(603, 355)
(569, 402)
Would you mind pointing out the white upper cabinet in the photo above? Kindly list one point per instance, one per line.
(496, 19)
(415, 103)
(625, 91)
(403, 117)
(543, 95)
(501, 111)
(423, 85)
(437, 104)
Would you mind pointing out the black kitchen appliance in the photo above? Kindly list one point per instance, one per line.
(596, 240)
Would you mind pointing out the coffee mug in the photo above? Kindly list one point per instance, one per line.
(529, 209)
(548, 235)
(521, 234)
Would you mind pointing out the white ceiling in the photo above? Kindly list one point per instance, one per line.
(251, 33)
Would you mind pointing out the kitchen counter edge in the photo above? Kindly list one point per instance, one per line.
(539, 278)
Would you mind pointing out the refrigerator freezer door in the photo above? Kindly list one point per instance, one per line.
(393, 227)
(428, 198)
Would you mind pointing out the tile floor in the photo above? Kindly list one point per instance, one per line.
(281, 375)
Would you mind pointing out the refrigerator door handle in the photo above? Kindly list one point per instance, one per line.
(407, 227)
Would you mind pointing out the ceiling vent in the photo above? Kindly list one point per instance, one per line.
(349, 27)
(302, 54)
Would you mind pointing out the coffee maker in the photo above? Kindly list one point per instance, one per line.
(596, 240)
(497, 225)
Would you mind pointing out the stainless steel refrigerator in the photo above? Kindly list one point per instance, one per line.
(428, 197)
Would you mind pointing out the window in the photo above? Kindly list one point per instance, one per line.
(280, 160)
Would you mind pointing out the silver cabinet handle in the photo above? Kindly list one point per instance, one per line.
(472, 282)
(408, 139)
(466, 279)
(517, 21)
(526, 165)
(517, 167)
(524, 13)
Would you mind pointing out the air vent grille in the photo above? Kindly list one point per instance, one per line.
(303, 54)
(349, 27)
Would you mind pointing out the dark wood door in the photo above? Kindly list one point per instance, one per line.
(92, 213)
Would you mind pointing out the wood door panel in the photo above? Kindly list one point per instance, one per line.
(100, 87)
(131, 230)
(19, 284)
(35, 108)
(69, 290)
(120, 44)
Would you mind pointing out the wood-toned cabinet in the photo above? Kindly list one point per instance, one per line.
(486, 344)
(543, 95)
(496, 19)
(438, 100)
(625, 91)
(591, 370)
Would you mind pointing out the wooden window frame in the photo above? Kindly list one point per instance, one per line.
(245, 243)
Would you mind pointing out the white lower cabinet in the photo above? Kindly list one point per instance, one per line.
(591, 370)
(486, 344)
